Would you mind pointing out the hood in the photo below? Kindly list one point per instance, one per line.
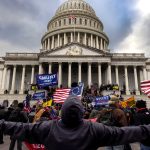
(72, 112)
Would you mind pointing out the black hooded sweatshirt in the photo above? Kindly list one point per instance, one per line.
(74, 133)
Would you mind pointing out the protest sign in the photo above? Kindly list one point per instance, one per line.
(38, 96)
(44, 80)
(101, 100)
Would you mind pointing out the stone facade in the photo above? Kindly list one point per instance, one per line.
(76, 47)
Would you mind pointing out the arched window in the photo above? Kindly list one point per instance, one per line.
(75, 20)
(85, 21)
(94, 24)
(71, 5)
(56, 24)
(75, 6)
(64, 21)
(69, 20)
(80, 21)
(82, 6)
(60, 23)
(90, 23)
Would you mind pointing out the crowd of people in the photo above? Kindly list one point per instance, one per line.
(67, 119)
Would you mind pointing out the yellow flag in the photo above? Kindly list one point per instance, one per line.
(47, 103)
(131, 101)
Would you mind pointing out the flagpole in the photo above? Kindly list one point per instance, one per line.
(74, 29)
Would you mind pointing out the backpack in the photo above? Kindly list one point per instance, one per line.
(15, 116)
(105, 117)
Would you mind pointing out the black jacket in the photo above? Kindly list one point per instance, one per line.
(87, 136)
(73, 133)
(142, 117)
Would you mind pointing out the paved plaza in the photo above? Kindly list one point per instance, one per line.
(5, 146)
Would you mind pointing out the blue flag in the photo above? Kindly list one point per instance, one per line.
(38, 96)
(44, 80)
(101, 100)
(77, 91)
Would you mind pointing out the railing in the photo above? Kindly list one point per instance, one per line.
(128, 54)
(21, 54)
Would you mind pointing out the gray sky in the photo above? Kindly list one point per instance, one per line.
(23, 23)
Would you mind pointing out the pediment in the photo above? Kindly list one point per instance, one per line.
(74, 50)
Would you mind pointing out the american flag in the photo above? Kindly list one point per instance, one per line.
(145, 87)
(62, 94)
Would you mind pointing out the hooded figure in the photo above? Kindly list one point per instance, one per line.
(72, 112)
(74, 133)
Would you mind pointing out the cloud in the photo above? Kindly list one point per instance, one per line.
(116, 17)
(138, 39)
(23, 23)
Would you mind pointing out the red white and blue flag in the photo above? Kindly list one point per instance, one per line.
(145, 87)
(72, 17)
(62, 94)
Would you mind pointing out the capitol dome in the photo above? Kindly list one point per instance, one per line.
(75, 21)
(75, 5)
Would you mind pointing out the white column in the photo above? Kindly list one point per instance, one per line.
(45, 44)
(59, 74)
(40, 68)
(104, 45)
(78, 37)
(65, 39)
(3, 80)
(69, 75)
(101, 44)
(52, 41)
(32, 75)
(136, 81)
(50, 68)
(99, 75)
(71, 37)
(79, 72)
(144, 73)
(1, 76)
(97, 45)
(89, 75)
(85, 38)
(109, 81)
(117, 75)
(13, 80)
(42, 45)
(61, 38)
(58, 40)
(91, 40)
(22, 81)
(7, 86)
(48, 46)
(126, 81)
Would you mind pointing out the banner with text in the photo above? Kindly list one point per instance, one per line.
(47, 80)
(101, 100)
(38, 96)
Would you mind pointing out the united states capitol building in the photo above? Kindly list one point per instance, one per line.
(75, 47)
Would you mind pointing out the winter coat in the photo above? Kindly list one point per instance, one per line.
(74, 133)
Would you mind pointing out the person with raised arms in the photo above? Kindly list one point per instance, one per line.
(72, 132)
